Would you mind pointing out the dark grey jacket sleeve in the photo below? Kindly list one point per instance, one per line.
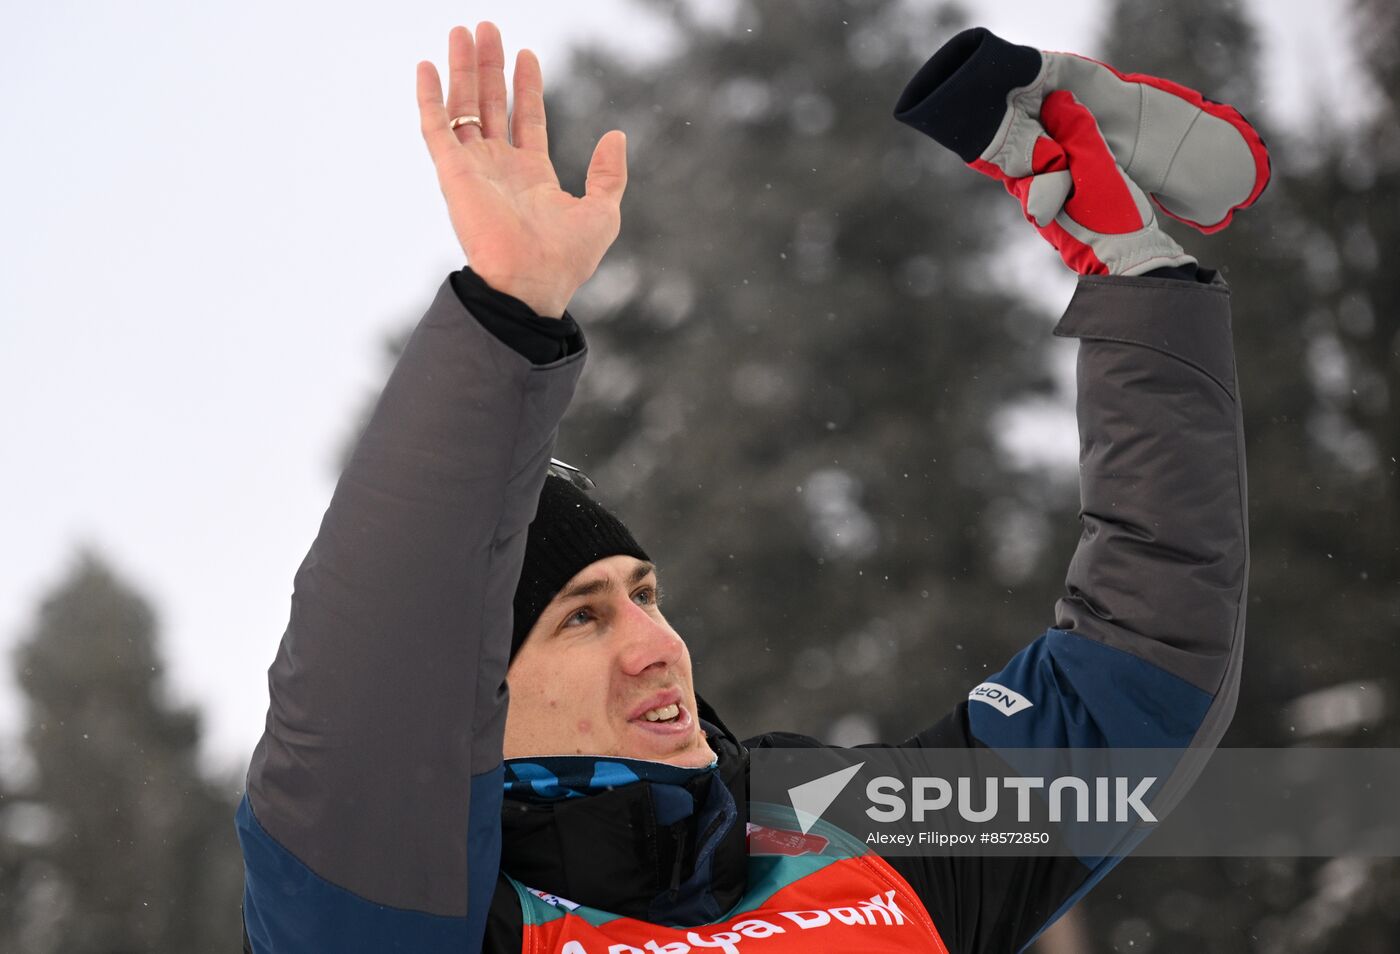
(1146, 646)
(388, 694)
(1162, 567)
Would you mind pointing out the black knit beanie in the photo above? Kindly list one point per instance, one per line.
(570, 531)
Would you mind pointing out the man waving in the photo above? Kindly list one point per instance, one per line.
(402, 799)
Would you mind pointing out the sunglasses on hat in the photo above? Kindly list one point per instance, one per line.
(570, 473)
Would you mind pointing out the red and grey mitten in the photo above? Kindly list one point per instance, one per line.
(985, 99)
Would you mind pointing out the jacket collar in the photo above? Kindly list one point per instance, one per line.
(608, 851)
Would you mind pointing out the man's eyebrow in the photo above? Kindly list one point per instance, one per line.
(593, 587)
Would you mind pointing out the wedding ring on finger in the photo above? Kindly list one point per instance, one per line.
(466, 120)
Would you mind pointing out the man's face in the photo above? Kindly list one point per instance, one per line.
(603, 673)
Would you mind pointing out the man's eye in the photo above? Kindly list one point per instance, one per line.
(579, 617)
(647, 596)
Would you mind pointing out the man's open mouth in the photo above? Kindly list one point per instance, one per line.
(662, 712)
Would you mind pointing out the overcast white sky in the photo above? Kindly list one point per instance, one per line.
(211, 214)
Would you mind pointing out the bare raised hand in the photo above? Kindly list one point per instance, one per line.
(520, 231)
